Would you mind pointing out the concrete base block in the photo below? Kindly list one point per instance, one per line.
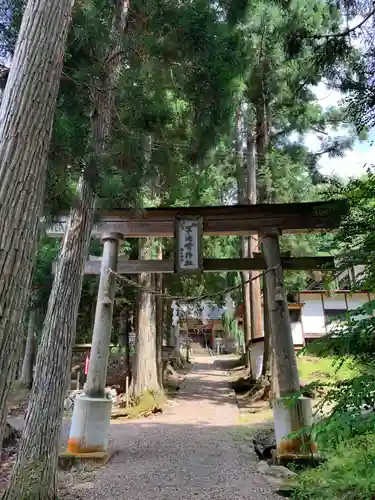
(67, 460)
(90, 426)
(288, 419)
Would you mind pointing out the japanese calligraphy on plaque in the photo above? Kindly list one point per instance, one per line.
(188, 235)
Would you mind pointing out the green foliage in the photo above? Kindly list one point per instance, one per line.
(42, 277)
(353, 335)
(325, 369)
(356, 237)
(10, 20)
(186, 68)
(230, 325)
(282, 82)
(351, 406)
(346, 433)
(348, 473)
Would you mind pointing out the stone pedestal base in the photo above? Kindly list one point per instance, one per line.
(287, 421)
(90, 426)
(68, 460)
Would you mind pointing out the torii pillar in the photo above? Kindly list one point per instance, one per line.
(288, 417)
(92, 411)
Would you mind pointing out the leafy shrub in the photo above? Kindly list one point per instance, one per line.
(348, 474)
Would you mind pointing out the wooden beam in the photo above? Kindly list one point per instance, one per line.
(126, 266)
(258, 263)
(218, 221)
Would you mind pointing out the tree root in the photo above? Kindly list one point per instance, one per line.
(258, 390)
(11, 436)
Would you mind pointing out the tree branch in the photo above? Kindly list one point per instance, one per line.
(318, 131)
(4, 73)
(348, 30)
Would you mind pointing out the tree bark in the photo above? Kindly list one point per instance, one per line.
(35, 468)
(26, 377)
(26, 118)
(159, 318)
(34, 473)
(245, 276)
(244, 250)
(124, 330)
(167, 316)
(254, 285)
(266, 367)
(19, 362)
(262, 143)
(145, 375)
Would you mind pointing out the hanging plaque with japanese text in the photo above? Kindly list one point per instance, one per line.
(188, 236)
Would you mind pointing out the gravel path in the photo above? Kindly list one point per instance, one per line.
(189, 452)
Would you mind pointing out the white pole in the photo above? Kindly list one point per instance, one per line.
(127, 391)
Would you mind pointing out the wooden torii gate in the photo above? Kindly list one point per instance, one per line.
(240, 220)
(188, 225)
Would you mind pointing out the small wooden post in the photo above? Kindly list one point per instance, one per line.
(78, 378)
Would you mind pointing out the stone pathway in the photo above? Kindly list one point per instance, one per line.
(189, 452)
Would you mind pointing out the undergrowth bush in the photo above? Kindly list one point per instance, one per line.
(348, 473)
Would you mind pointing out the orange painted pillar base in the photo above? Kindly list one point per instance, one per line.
(288, 419)
(90, 425)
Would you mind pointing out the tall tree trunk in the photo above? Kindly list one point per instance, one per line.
(35, 469)
(266, 368)
(254, 285)
(247, 307)
(262, 143)
(26, 118)
(34, 473)
(26, 377)
(25, 329)
(145, 376)
(262, 140)
(167, 318)
(244, 250)
(124, 332)
(159, 317)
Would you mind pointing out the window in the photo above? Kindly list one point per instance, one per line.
(295, 315)
(332, 314)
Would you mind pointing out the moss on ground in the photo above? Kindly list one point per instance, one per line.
(312, 368)
(143, 406)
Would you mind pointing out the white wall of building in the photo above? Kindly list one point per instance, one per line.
(357, 299)
(312, 314)
(256, 358)
(297, 333)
